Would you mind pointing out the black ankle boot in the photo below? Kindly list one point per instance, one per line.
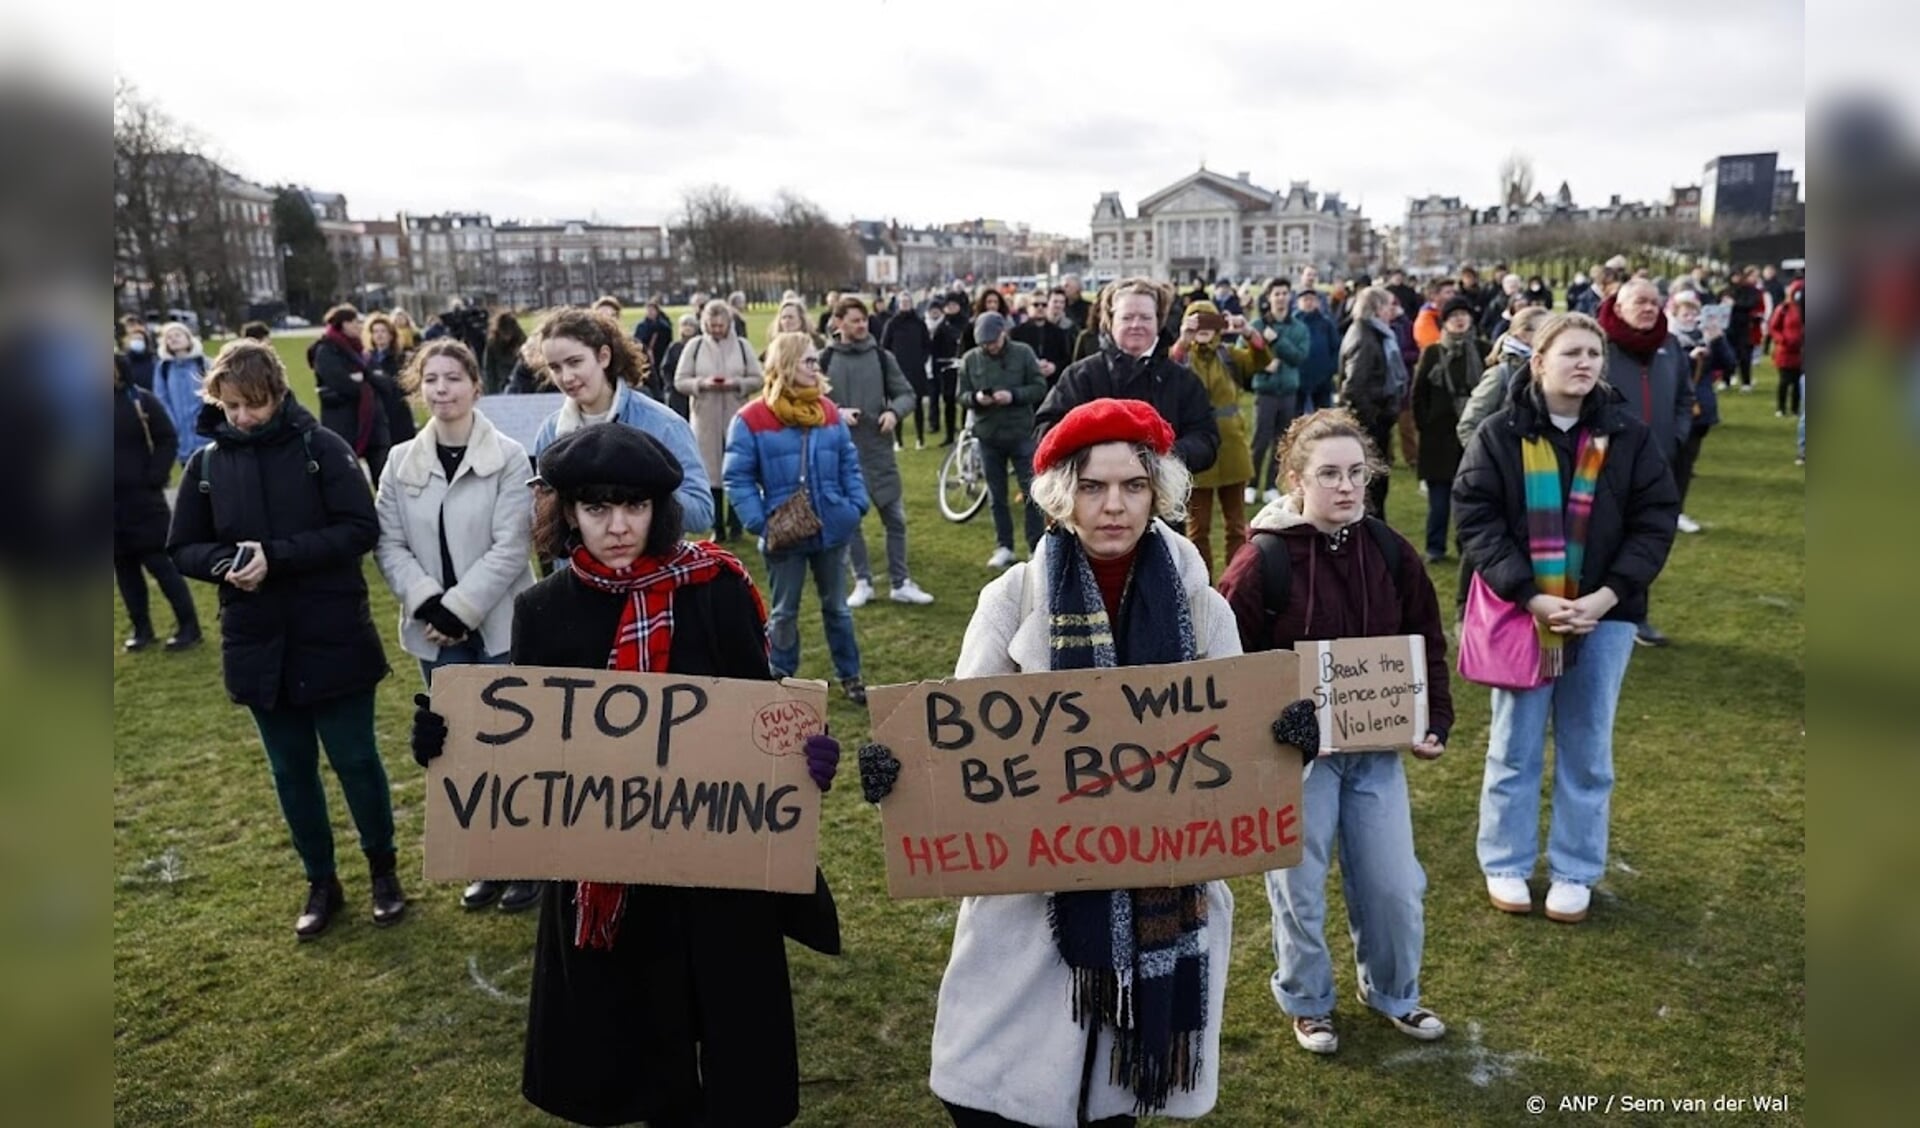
(389, 903)
(324, 899)
(186, 638)
(140, 639)
(520, 896)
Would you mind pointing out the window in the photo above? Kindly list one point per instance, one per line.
(1246, 241)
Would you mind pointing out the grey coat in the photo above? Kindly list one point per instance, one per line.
(865, 378)
(1659, 391)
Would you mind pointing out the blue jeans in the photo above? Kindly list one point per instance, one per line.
(1439, 514)
(1581, 703)
(459, 654)
(994, 460)
(1360, 798)
(787, 576)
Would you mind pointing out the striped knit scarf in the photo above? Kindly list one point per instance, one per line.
(1137, 956)
(644, 642)
(1557, 535)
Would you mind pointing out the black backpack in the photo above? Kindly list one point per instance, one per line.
(1276, 567)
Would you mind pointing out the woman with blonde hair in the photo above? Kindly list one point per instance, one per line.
(386, 361)
(1567, 510)
(793, 443)
(791, 318)
(403, 325)
(718, 374)
(177, 377)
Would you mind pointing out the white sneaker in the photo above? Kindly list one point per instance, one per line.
(1271, 496)
(1001, 557)
(862, 591)
(907, 591)
(1423, 489)
(1567, 902)
(1315, 1034)
(1510, 894)
(1252, 495)
(1687, 524)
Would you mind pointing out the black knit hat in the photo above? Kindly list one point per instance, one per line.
(610, 461)
(1455, 304)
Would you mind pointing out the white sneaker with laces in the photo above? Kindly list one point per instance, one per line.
(1001, 557)
(1271, 496)
(1687, 524)
(1315, 1034)
(906, 591)
(1567, 902)
(1510, 894)
(862, 591)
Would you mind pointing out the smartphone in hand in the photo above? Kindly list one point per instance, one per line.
(242, 558)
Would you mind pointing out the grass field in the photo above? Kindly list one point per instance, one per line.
(1687, 982)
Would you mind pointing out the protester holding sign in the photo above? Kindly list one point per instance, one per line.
(1567, 510)
(455, 531)
(277, 512)
(649, 1002)
(1053, 1011)
(600, 370)
(1318, 567)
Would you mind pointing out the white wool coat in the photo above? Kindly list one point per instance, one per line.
(488, 510)
(1004, 1037)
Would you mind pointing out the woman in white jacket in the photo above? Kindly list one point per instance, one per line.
(456, 533)
(1011, 1044)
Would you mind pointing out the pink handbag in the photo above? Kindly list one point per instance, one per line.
(1498, 646)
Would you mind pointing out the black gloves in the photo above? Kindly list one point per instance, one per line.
(1299, 726)
(440, 619)
(429, 731)
(823, 759)
(879, 768)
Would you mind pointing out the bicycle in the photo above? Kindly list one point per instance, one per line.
(963, 477)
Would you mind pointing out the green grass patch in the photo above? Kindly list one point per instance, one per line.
(1688, 980)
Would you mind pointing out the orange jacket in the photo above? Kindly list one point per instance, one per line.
(1426, 327)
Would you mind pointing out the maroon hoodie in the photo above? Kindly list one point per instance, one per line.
(1339, 592)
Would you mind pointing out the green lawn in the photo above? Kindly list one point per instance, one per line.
(1688, 981)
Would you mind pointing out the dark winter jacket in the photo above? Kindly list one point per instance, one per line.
(653, 335)
(333, 370)
(911, 344)
(1635, 504)
(1660, 389)
(690, 1016)
(497, 365)
(1323, 352)
(140, 367)
(1017, 371)
(1048, 342)
(1363, 374)
(1289, 341)
(1173, 390)
(143, 448)
(1342, 591)
(1442, 382)
(384, 370)
(306, 635)
(1719, 363)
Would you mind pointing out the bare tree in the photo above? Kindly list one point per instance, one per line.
(1516, 179)
(171, 219)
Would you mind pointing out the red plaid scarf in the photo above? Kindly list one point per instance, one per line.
(643, 643)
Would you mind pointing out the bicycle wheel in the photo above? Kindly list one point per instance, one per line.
(963, 481)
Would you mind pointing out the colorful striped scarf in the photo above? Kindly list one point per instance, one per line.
(1557, 535)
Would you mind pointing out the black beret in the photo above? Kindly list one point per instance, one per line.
(610, 458)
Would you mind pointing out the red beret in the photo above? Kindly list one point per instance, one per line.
(1104, 421)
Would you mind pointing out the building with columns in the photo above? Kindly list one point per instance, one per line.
(1210, 225)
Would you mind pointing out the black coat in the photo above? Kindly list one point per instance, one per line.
(385, 376)
(908, 339)
(1635, 503)
(333, 372)
(1441, 386)
(144, 445)
(306, 635)
(1173, 390)
(1048, 342)
(140, 367)
(690, 1015)
(653, 335)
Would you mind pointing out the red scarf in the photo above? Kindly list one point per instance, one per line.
(363, 411)
(1640, 344)
(643, 642)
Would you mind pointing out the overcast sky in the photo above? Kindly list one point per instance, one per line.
(937, 112)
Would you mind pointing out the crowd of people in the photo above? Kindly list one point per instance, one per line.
(1554, 451)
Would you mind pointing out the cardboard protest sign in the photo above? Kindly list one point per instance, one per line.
(1370, 693)
(1089, 779)
(519, 417)
(604, 775)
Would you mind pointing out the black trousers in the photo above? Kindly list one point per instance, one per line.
(1788, 392)
(127, 572)
(1381, 432)
(1741, 337)
(1683, 461)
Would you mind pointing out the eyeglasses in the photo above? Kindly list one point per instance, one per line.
(1330, 477)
